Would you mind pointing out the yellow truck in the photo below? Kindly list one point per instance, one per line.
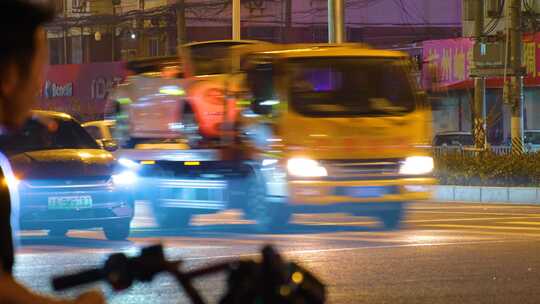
(334, 128)
(317, 128)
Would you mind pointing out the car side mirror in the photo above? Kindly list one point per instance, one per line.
(109, 145)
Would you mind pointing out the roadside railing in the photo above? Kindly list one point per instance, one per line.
(499, 150)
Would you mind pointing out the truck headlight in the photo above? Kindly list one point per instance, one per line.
(417, 165)
(124, 178)
(305, 167)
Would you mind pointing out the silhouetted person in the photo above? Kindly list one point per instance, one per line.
(23, 56)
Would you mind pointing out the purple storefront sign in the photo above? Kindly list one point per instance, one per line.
(446, 62)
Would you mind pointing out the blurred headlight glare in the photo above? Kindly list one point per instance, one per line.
(125, 178)
(128, 163)
(305, 167)
(11, 182)
(417, 165)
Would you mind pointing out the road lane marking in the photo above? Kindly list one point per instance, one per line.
(498, 233)
(293, 252)
(535, 215)
(523, 223)
(308, 251)
(471, 206)
(310, 223)
(486, 227)
(472, 219)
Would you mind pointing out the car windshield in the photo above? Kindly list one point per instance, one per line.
(50, 134)
(350, 86)
(94, 132)
(112, 130)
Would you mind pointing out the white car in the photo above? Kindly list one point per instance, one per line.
(531, 140)
(453, 139)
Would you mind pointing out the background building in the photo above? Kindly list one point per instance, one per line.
(83, 31)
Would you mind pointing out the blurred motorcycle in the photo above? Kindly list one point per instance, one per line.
(267, 280)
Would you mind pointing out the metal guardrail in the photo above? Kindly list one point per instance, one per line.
(499, 150)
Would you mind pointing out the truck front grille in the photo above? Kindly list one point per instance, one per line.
(361, 170)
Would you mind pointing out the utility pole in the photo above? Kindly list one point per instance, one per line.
(82, 45)
(288, 19)
(336, 21)
(479, 126)
(65, 34)
(236, 20)
(180, 22)
(113, 33)
(142, 47)
(515, 95)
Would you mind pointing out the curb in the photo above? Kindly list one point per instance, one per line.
(497, 195)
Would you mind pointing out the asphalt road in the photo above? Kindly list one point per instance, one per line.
(446, 253)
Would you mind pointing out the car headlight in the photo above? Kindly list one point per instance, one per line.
(305, 167)
(125, 178)
(12, 182)
(417, 165)
(128, 163)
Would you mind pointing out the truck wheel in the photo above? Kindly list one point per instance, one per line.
(172, 218)
(392, 216)
(117, 230)
(168, 218)
(268, 217)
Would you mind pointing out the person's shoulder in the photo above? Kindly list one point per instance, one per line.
(7, 139)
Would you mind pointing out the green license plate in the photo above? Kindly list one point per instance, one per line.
(70, 202)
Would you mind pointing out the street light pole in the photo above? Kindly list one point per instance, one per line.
(65, 34)
(516, 85)
(180, 22)
(336, 21)
(479, 127)
(236, 22)
(113, 32)
(288, 20)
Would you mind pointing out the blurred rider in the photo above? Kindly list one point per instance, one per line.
(23, 56)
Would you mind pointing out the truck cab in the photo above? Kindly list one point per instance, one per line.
(335, 128)
(314, 128)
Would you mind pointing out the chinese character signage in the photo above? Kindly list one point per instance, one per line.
(446, 62)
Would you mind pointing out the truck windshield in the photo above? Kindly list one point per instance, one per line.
(331, 87)
(212, 58)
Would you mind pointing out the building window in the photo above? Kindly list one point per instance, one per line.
(154, 47)
(76, 49)
(129, 54)
(59, 6)
(79, 6)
